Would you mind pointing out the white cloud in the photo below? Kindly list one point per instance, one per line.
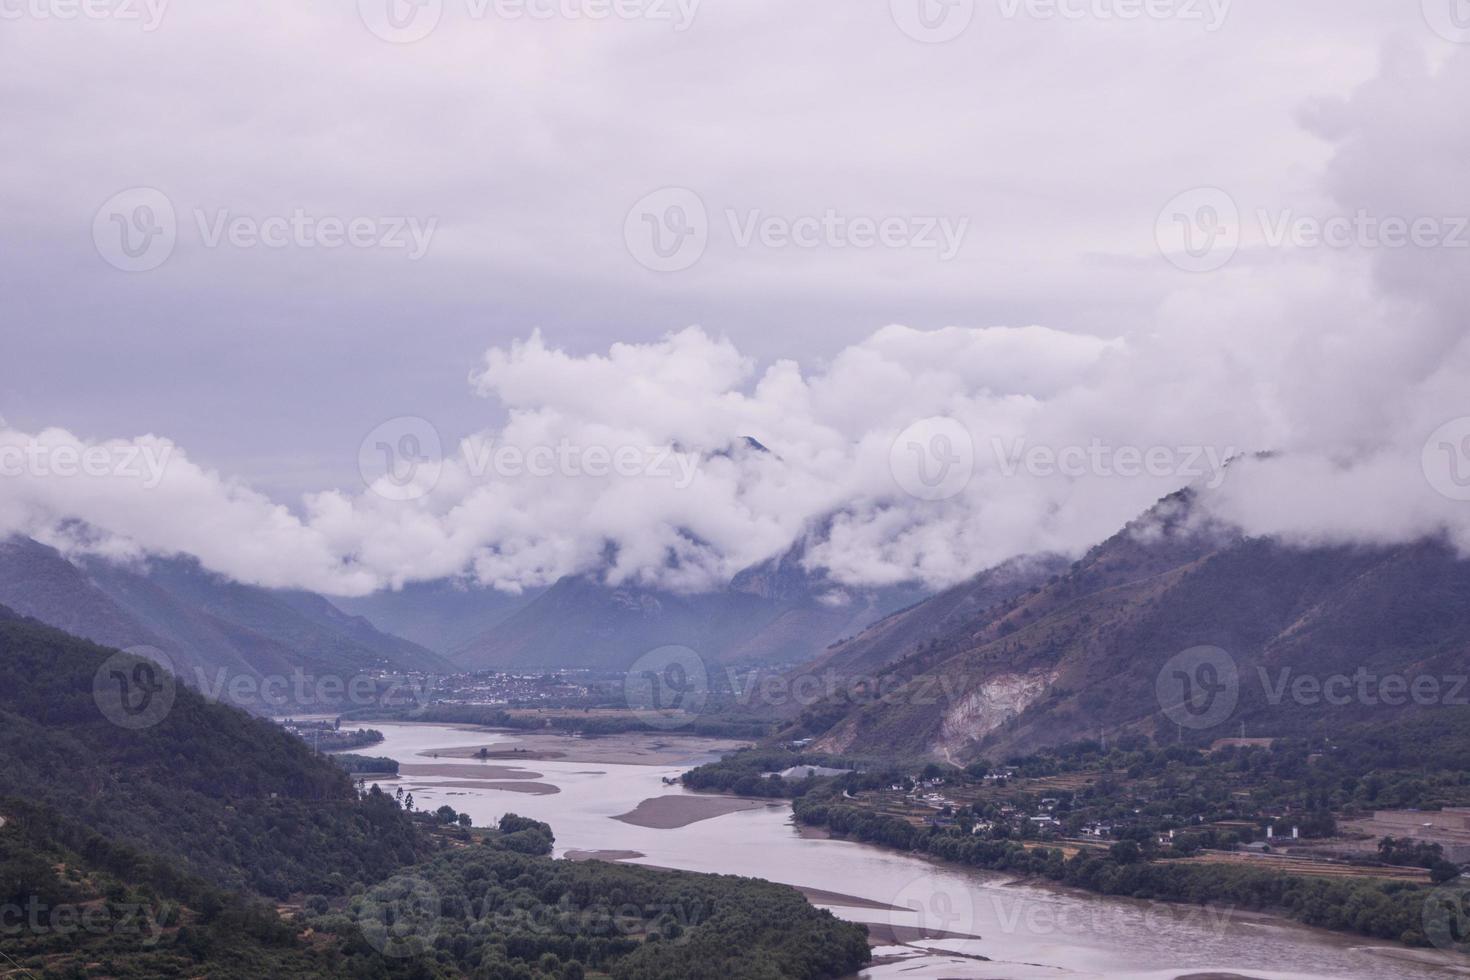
(1342, 360)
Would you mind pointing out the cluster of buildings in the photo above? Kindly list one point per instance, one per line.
(511, 689)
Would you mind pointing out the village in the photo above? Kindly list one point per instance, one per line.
(1200, 816)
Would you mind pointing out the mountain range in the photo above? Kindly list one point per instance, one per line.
(1036, 651)
(779, 611)
(1175, 627)
(206, 626)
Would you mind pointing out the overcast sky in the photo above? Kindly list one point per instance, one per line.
(260, 231)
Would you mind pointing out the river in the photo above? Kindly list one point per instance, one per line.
(1026, 931)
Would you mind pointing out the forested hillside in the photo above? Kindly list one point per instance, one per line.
(211, 628)
(1083, 653)
(162, 844)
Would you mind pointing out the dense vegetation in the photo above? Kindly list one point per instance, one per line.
(366, 764)
(582, 723)
(209, 791)
(1385, 910)
(494, 911)
(163, 851)
(754, 772)
(1144, 805)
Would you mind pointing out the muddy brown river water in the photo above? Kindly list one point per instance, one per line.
(1022, 930)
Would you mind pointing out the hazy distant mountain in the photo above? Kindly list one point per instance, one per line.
(197, 618)
(774, 612)
(443, 616)
(1084, 653)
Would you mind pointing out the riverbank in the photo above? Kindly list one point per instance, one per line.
(1030, 930)
(630, 749)
(1383, 910)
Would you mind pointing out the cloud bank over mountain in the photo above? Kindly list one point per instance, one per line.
(638, 461)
